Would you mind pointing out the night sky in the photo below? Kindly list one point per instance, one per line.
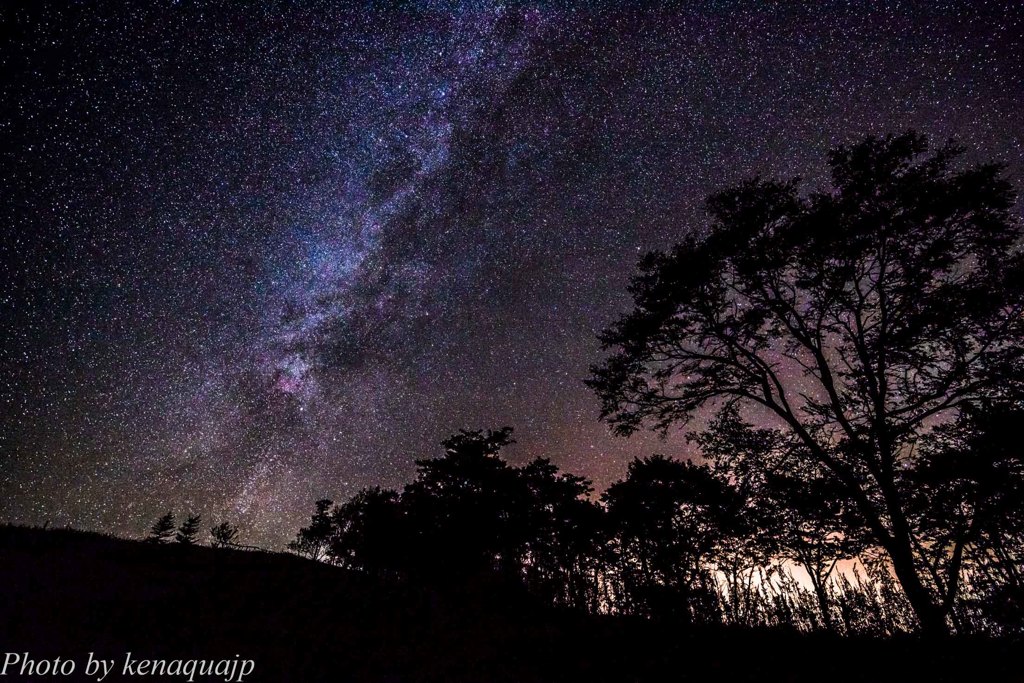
(257, 255)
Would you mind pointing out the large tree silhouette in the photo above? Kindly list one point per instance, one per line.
(855, 317)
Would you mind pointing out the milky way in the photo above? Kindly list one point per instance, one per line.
(253, 256)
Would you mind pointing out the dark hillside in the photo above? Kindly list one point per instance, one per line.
(66, 593)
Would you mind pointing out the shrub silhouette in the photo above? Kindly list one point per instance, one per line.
(223, 535)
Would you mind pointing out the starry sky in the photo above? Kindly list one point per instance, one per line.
(254, 255)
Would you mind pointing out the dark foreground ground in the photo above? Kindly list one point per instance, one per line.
(67, 593)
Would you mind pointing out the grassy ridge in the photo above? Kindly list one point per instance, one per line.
(66, 593)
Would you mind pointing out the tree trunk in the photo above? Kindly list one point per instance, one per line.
(819, 591)
(930, 616)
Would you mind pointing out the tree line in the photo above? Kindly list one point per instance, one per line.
(860, 351)
(672, 540)
(166, 530)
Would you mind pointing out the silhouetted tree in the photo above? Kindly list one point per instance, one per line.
(188, 530)
(223, 534)
(162, 529)
(463, 508)
(968, 487)
(797, 512)
(812, 525)
(469, 512)
(669, 517)
(854, 317)
(313, 540)
(371, 533)
(564, 535)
